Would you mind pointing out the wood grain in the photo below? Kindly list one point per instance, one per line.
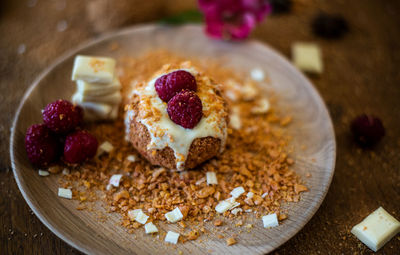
(361, 76)
(311, 127)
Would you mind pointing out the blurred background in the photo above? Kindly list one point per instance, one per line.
(361, 75)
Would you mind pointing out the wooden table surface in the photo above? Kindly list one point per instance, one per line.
(361, 76)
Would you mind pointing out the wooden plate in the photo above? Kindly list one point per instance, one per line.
(311, 127)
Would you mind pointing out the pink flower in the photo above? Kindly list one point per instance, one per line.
(233, 19)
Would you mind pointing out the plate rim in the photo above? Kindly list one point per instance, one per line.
(150, 26)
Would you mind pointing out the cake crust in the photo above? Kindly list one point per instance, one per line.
(200, 150)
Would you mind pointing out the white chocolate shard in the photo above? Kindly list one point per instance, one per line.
(377, 229)
(307, 57)
(211, 178)
(262, 106)
(131, 158)
(150, 228)
(93, 69)
(113, 99)
(236, 192)
(65, 171)
(270, 220)
(235, 121)
(250, 195)
(172, 237)
(65, 193)
(249, 91)
(236, 211)
(105, 147)
(97, 89)
(141, 217)
(132, 214)
(43, 173)
(115, 180)
(223, 206)
(174, 215)
(226, 205)
(101, 111)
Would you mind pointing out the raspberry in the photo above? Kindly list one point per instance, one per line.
(329, 26)
(170, 84)
(62, 117)
(79, 146)
(367, 130)
(41, 145)
(185, 109)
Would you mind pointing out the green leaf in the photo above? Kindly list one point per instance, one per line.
(189, 16)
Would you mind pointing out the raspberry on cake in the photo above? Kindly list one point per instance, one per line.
(178, 119)
(185, 109)
(172, 83)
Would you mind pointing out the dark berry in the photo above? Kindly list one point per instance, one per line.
(329, 26)
(79, 146)
(367, 130)
(42, 146)
(170, 84)
(280, 6)
(62, 116)
(185, 109)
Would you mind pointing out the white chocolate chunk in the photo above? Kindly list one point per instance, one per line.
(236, 192)
(172, 237)
(223, 206)
(97, 89)
(132, 214)
(43, 173)
(250, 195)
(261, 107)
(257, 74)
(101, 111)
(174, 215)
(114, 98)
(141, 217)
(233, 90)
(65, 171)
(211, 178)
(377, 229)
(93, 69)
(235, 121)
(236, 211)
(249, 91)
(150, 228)
(234, 205)
(226, 205)
(270, 220)
(131, 158)
(65, 193)
(115, 180)
(105, 147)
(264, 195)
(307, 57)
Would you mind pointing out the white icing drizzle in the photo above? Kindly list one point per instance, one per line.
(174, 136)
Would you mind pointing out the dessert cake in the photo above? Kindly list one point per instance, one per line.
(178, 119)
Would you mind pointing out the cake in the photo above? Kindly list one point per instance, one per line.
(160, 135)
